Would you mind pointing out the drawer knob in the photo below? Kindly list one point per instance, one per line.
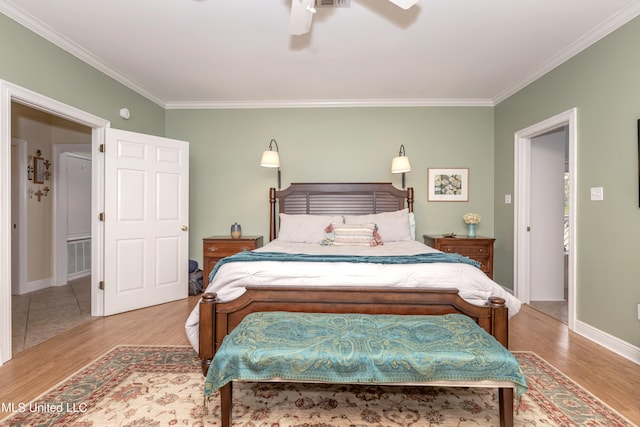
(244, 248)
(481, 249)
(212, 249)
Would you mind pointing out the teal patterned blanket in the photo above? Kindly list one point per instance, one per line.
(371, 259)
(360, 348)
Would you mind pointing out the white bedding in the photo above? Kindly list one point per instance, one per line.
(474, 286)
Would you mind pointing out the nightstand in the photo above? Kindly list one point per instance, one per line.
(215, 248)
(477, 248)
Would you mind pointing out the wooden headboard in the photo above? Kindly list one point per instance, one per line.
(351, 198)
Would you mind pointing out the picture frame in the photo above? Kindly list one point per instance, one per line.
(38, 170)
(448, 184)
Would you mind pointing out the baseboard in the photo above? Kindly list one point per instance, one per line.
(507, 289)
(79, 275)
(610, 342)
(34, 286)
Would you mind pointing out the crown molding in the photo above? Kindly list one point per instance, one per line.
(74, 49)
(598, 33)
(602, 30)
(332, 103)
(84, 55)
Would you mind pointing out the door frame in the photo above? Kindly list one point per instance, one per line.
(10, 92)
(21, 151)
(522, 187)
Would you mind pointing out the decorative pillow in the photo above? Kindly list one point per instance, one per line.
(353, 234)
(392, 226)
(305, 228)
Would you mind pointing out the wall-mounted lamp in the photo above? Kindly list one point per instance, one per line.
(401, 164)
(271, 159)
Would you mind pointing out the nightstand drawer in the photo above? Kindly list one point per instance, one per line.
(477, 248)
(484, 263)
(466, 250)
(220, 248)
(215, 248)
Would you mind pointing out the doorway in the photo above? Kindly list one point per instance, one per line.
(50, 253)
(550, 145)
(549, 223)
(10, 93)
(157, 285)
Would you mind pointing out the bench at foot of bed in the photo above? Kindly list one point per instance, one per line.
(449, 350)
(505, 403)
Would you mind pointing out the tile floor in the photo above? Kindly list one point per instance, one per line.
(556, 309)
(40, 315)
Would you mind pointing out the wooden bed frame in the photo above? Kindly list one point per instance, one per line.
(217, 319)
(355, 198)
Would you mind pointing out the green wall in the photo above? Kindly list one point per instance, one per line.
(330, 145)
(357, 144)
(30, 61)
(604, 84)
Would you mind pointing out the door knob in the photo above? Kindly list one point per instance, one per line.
(184, 228)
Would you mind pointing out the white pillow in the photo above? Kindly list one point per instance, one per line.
(305, 228)
(392, 226)
(412, 225)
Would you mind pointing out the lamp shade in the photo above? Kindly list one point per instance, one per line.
(270, 159)
(400, 164)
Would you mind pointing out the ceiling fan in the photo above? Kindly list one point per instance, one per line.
(302, 12)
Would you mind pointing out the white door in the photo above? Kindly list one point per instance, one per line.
(146, 220)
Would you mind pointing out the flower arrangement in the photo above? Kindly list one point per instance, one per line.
(471, 218)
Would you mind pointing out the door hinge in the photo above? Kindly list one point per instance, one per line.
(101, 216)
(101, 148)
(101, 285)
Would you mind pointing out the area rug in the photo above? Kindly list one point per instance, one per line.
(163, 386)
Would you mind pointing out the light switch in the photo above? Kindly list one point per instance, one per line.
(507, 199)
(597, 193)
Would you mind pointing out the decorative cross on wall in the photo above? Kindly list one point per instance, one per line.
(39, 194)
(47, 174)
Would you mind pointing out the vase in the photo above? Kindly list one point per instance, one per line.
(471, 230)
(236, 231)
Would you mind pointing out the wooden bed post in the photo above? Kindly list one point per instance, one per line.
(207, 342)
(410, 199)
(272, 214)
(226, 404)
(499, 320)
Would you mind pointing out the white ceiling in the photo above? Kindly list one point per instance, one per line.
(238, 53)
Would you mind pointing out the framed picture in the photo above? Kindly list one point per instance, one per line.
(38, 170)
(448, 185)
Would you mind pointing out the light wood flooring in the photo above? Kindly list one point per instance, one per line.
(610, 377)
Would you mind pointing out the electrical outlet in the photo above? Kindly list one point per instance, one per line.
(507, 199)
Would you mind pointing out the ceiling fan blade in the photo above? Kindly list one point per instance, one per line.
(301, 15)
(405, 4)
